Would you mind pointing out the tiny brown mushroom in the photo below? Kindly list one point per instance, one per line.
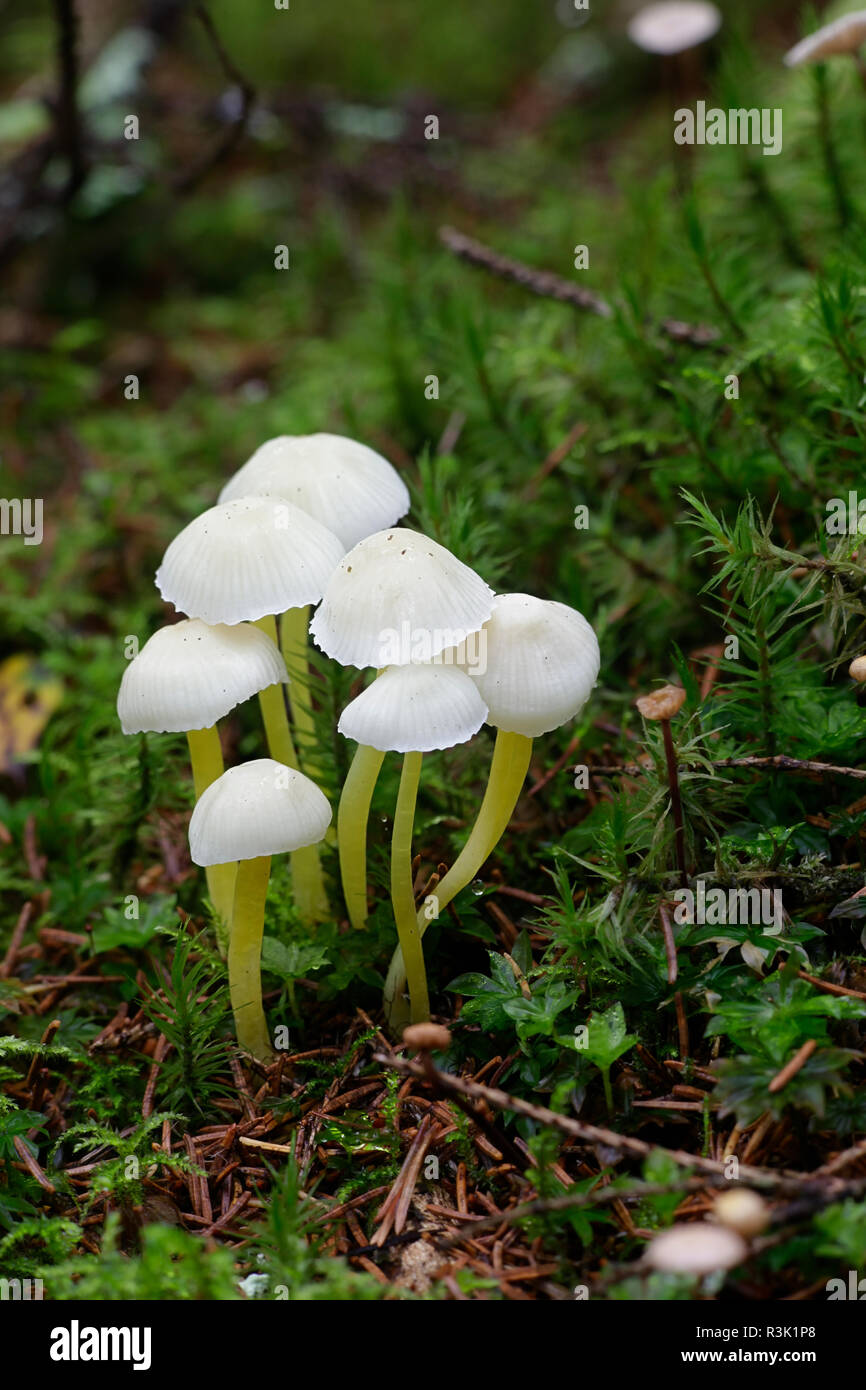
(427, 1037)
(663, 703)
(857, 669)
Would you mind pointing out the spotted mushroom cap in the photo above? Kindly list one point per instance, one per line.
(256, 809)
(189, 675)
(397, 597)
(538, 664)
(345, 485)
(244, 559)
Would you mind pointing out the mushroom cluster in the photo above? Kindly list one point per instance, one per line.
(311, 520)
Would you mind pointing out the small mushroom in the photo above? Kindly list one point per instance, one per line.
(743, 1211)
(397, 582)
(345, 485)
(857, 669)
(246, 560)
(541, 663)
(411, 710)
(250, 813)
(427, 1037)
(674, 26)
(185, 678)
(396, 597)
(250, 559)
(844, 35)
(697, 1248)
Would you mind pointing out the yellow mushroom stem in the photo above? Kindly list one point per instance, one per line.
(206, 760)
(308, 884)
(245, 956)
(293, 641)
(402, 891)
(508, 768)
(353, 813)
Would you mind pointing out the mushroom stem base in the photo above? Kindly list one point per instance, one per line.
(245, 957)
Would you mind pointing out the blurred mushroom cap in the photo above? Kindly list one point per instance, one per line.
(394, 580)
(188, 675)
(696, 1248)
(540, 664)
(345, 485)
(663, 703)
(843, 35)
(743, 1210)
(857, 669)
(674, 25)
(256, 809)
(244, 559)
(427, 1037)
(415, 709)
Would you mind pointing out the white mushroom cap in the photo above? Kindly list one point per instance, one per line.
(844, 35)
(256, 809)
(743, 1210)
(188, 675)
(246, 558)
(696, 1248)
(392, 582)
(674, 25)
(414, 709)
(542, 662)
(345, 485)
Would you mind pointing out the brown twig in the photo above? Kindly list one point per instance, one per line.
(790, 1069)
(162, 1046)
(780, 760)
(190, 178)
(456, 1086)
(830, 988)
(15, 940)
(548, 285)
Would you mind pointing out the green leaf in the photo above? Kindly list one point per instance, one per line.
(607, 1038)
(294, 959)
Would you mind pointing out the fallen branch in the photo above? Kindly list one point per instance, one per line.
(188, 180)
(548, 285)
(780, 761)
(589, 1134)
(790, 1069)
